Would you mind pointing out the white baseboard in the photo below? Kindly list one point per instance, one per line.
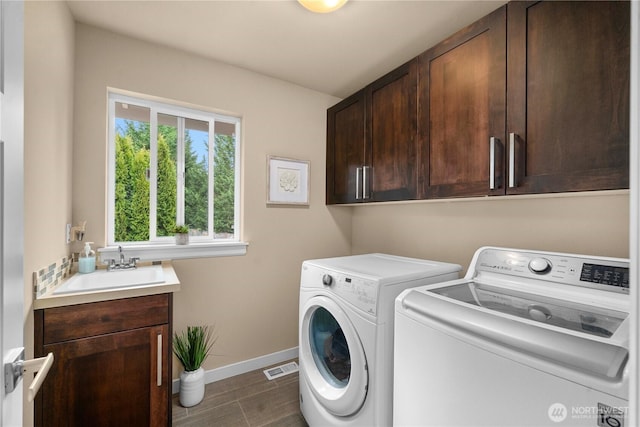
(243, 367)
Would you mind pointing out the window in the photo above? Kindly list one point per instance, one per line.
(168, 166)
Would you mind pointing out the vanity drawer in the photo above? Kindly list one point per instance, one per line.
(99, 318)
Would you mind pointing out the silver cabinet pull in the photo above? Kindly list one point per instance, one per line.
(365, 192)
(358, 170)
(492, 163)
(512, 160)
(159, 361)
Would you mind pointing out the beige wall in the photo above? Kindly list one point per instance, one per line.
(595, 223)
(48, 136)
(253, 299)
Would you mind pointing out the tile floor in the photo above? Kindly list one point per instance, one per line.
(247, 400)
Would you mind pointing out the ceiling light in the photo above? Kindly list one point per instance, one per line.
(322, 6)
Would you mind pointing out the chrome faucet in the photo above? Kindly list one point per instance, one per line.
(122, 265)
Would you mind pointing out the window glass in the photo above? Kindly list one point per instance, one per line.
(196, 177)
(132, 165)
(171, 166)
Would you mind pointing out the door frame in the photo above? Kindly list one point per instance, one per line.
(12, 288)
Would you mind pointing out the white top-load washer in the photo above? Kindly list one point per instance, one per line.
(527, 338)
(346, 334)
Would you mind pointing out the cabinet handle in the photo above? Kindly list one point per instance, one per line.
(358, 170)
(365, 192)
(512, 160)
(159, 362)
(492, 163)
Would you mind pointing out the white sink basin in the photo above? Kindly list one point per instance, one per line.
(103, 279)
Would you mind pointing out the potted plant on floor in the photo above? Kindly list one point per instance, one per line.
(182, 234)
(192, 347)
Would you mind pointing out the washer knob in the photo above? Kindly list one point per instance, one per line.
(327, 280)
(540, 265)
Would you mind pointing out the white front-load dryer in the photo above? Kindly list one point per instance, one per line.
(346, 334)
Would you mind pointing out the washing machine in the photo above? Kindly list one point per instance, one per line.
(346, 334)
(526, 338)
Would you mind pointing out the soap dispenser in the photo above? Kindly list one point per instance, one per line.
(87, 260)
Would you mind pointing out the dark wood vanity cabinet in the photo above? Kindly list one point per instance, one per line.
(533, 98)
(371, 141)
(112, 363)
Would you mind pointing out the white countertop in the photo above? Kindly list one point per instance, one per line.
(170, 284)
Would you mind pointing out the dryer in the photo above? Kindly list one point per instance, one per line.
(346, 334)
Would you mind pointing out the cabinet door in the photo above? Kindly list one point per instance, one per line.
(461, 106)
(568, 95)
(390, 171)
(345, 149)
(109, 380)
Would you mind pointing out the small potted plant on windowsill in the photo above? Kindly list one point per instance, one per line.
(182, 234)
(192, 348)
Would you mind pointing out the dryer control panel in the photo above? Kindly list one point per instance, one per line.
(609, 274)
(358, 291)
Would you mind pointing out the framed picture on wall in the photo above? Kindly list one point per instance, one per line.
(287, 181)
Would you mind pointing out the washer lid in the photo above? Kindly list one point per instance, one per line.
(527, 340)
(562, 313)
(386, 268)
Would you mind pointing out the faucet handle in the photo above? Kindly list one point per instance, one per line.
(134, 260)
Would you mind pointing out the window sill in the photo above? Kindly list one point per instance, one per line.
(161, 252)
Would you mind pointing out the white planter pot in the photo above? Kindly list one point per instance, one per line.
(182, 238)
(191, 387)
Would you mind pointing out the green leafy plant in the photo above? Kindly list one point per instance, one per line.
(181, 229)
(193, 346)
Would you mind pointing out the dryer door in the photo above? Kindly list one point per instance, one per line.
(332, 358)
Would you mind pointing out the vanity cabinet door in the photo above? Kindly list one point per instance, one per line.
(461, 107)
(112, 363)
(109, 380)
(568, 95)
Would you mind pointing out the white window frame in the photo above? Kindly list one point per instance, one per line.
(162, 248)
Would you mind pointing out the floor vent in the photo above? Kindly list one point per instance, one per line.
(281, 371)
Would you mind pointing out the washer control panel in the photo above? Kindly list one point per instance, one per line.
(610, 274)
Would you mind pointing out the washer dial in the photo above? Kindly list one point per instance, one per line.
(540, 265)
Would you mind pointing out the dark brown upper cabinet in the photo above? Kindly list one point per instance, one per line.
(461, 111)
(371, 141)
(568, 96)
(533, 98)
(345, 149)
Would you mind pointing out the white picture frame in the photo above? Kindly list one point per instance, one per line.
(287, 181)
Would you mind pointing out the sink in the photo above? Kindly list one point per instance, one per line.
(103, 279)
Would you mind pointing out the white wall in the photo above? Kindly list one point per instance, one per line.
(253, 299)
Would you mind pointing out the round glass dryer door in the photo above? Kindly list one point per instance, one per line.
(333, 357)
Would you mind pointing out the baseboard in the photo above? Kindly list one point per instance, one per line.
(243, 367)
